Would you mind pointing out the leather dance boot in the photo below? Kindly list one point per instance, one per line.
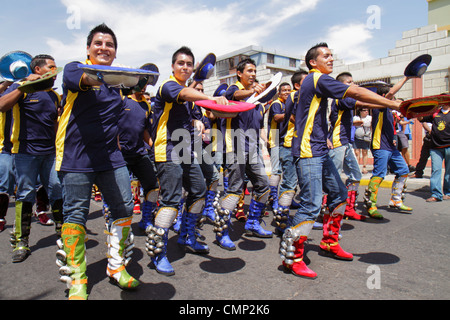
(188, 230)
(397, 195)
(208, 210)
(331, 226)
(274, 181)
(292, 250)
(148, 209)
(120, 244)
(222, 223)
(253, 226)
(157, 238)
(351, 202)
(21, 233)
(281, 215)
(72, 261)
(370, 197)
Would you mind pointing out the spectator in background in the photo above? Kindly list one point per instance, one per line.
(363, 134)
(440, 152)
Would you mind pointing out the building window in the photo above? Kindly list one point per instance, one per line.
(270, 58)
(292, 63)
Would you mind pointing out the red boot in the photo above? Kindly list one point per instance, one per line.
(331, 226)
(298, 267)
(351, 201)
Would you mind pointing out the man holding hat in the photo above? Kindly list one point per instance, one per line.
(315, 169)
(241, 155)
(176, 165)
(35, 117)
(88, 153)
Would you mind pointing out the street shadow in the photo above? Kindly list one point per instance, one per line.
(150, 291)
(222, 266)
(377, 258)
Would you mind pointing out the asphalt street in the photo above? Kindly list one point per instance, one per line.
(403, 257)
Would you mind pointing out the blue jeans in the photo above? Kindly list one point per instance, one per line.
(141, 166)
(289, 178)
(437, 157)
(344, 159)
(238, 173)
(7, 179)
(209, 168)
(393, 158)
(77, 188)
(28, 168)
(314, 176)
(275, 160)
(173, 177)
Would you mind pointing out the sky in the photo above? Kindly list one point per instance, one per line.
(151, 30)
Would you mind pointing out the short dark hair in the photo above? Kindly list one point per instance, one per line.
(313, 53)
(39, 61)
(183, 50)
(297, 76)
(102, 28)
(283, 85)
(343, 75)
(241, 65)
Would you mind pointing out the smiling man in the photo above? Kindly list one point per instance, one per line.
(176, 165)
(88, 153)
(315, 169)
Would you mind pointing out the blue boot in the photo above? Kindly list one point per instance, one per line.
(252, 226)
(274, 197)
(208, 211)
(156, 246)
(188, 234)
(222, 221)
(148, 209)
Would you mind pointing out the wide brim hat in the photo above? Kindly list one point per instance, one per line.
(46, 82)
(225, 111)
(116, 76)
(424, 106)
(221, 90)
(418, 66)
(205, 68)
(375, 85)
(15, 65)
(152, 79)
(270, 91)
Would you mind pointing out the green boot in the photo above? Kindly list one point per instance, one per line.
(370, 197)
(120, 243)
(21, 233)
(72, 260)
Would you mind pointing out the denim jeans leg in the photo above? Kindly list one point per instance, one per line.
(7, 179)
(171, 183)
(193, 183)
(398, 164)
(332, 184)
(380, 161)
(76, 193)
(49, 178)
(142, 167)
(309, 172)
(337, 155)
(26, 172)
(289, 176)
(437, 156)
(258, 177)
(351, 165)
(116, 190)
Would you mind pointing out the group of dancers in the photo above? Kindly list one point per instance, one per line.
(105, 132)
